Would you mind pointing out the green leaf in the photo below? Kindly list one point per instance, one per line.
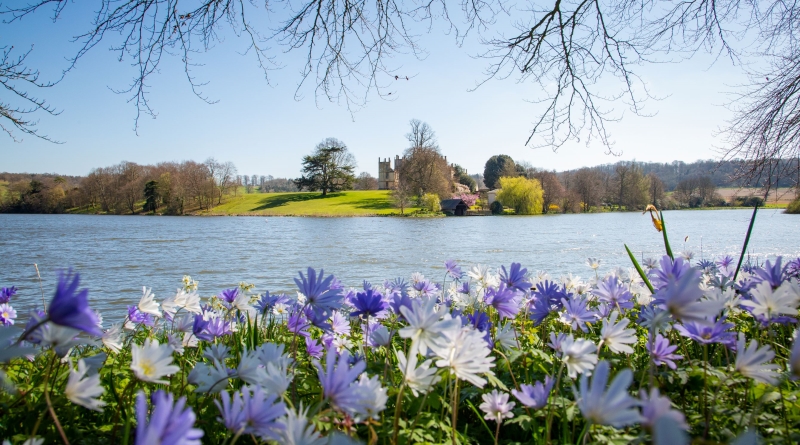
(639, 269)
(666, 239)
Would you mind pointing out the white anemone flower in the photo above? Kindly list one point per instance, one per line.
(751, 361)
(496, 406)
(190, 302)
(614, 407)
(594, 263)
(276, 380)
(152, 361)
(615, 336)
(147, 304)
(426, 324)
(112, 338)
(483, 278)
(371, 398)
(579, 355)
(189, 340)
(83, 390)
(465, 353)
(769, 303)
(419, 379)
(794, 358)
(297, 430)
(242, 302)
(506, 336)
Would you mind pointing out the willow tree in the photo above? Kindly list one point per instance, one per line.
(524, 195)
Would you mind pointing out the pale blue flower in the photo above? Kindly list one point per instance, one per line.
(613, 407)
(169, 423)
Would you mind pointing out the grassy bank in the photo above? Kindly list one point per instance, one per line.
(349, 203)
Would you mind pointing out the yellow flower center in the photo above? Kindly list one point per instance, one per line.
(147, 367)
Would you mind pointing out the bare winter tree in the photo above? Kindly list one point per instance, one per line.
(584, 55)
(16, 102)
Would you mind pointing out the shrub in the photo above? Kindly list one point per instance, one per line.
(794, 207)
(496, 207)
(430, 202)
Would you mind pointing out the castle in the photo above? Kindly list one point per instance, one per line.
(389, 177)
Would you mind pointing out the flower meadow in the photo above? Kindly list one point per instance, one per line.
(672, 351)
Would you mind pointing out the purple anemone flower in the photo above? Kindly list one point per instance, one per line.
(314, 348)
(660, 276)
(397, 286)
(534, 396)
(453, 269)
(34, 335)
(6, 293)
(425, 288)
(70, 307)
(480, 321)
(464, 288)
(400, 300)
(199, 328)
(539, 310)
(298, 325)
(577, 315)
(337, 377)
(228, 295)
(515, 277)
(614, 293)
(217, 327)
(705, 334)
(726, 265)
(138, 317)
(792, 269)
(551, 292)
(320, 296)
(169, 422)
(369, 304)
(319, 320)
(662, 352)
(773, 273)
(267, 301)
(506, 300)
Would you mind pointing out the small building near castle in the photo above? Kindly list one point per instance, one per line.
(389, 176)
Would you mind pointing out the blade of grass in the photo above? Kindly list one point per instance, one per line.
(746, 241)
(666, 240)
(639, 269)
(480, 417)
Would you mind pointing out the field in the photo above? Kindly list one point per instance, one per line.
(782, 196)
(349, 203)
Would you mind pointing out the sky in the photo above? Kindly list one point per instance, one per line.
(264, 129)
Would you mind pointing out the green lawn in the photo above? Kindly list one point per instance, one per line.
(349, 203)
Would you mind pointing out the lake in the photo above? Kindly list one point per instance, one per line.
(117, 255)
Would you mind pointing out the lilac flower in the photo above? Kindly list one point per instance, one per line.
(369, 303)
(614, 407)
(337, 378)
(505, 299)
(669, 270)
(576, 314)
(725, 265)
(705, 334)
(656, 406)
(534, 396)
(247, 412)
(135, 316)
(7, 314)
(218, 327)
(464, 288)
(496, 406)
(771, 273)
(556, 340)
(339, 324)
(614, 293)
(321, 296)
(377, 336)
(792, 269)
(298, 324)
(662, 352)
(425, 288)
(169, 423)
(399, 300)
(71, 308)
(6, 293)
(453, 269)
(515, 277)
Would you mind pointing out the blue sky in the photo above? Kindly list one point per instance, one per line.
(264, 130)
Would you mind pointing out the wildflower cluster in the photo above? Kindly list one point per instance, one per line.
(707, 354)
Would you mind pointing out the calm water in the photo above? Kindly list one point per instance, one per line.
(117, 255)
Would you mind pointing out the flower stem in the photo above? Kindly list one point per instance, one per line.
(454, 408)
(397, 404)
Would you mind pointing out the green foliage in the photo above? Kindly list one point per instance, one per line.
(151, 196)
(496, 207)
(524, 195)
(430, 202)
(331, 168)
(496, 167)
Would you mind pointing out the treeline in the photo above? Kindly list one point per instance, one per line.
(626, 186)
(126, 188)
